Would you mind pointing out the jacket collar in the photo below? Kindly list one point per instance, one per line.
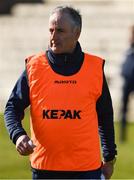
(65, 58)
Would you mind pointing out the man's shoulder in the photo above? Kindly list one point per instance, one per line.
(93, 57)
(35, 58)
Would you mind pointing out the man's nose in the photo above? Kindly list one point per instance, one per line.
(54, 35)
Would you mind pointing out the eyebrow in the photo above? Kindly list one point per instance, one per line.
(57, 28)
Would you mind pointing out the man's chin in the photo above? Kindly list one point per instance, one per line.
(56, 50)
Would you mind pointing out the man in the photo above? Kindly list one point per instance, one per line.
(69, 101)
(128, 87)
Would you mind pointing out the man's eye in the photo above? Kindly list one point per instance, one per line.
(59, 30)
(51, 31)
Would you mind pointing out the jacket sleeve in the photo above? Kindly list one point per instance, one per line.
(14, 110)
(106, 124)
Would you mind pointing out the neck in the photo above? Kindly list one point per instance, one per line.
(66, 63)
(65, 58)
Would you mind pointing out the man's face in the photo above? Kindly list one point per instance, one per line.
(63, 36)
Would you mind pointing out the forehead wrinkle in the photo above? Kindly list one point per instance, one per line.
(54, 20)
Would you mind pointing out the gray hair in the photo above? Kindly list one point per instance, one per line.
(73, 13)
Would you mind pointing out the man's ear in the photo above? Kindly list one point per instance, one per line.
(77, 33)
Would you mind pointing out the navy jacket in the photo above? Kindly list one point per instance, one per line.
(65, 64)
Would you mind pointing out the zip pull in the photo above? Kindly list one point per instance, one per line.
(65, 60)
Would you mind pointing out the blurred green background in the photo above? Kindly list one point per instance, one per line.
(13, 166)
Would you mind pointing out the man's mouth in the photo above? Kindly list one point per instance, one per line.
(55, 44)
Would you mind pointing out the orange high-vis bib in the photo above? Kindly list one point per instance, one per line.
(64, 122)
